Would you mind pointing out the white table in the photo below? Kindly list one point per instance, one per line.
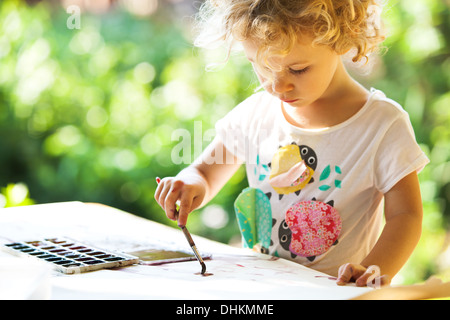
(237, 273)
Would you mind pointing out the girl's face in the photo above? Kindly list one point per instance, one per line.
(302, 77)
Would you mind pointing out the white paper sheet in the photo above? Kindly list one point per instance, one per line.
(236, 273)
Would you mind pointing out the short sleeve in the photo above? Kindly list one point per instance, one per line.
(398, 154)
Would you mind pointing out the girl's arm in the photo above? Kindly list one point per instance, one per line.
(197, 184)
(401, 233)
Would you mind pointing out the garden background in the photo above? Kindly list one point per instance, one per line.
(88, 112)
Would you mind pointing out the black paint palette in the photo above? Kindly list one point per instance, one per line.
(69, 256)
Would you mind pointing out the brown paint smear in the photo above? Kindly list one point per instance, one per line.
(206, 274)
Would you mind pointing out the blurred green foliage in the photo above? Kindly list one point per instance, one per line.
(88, 114)
(15, 194)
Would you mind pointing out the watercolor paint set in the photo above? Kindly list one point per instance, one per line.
(70, 256)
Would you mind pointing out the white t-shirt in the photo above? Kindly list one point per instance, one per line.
(315, 196)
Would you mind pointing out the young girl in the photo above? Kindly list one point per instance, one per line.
(323, 154)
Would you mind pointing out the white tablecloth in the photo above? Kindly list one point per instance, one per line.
(237, 273)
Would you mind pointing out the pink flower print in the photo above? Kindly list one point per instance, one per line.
(315, 227)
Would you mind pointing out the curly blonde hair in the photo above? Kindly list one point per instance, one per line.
(276, 25)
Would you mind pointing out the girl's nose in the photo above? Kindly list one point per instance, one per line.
(281, 84)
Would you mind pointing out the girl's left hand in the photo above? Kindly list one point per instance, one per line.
(361, 275)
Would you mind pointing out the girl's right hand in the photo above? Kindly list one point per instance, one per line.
(188, 191)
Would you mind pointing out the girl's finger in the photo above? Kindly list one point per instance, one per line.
(185, 208)
(371, 275)
(345, 274)
(349, 271)
(372, 278)
(158, 190)
(161, 195)
(170, 203)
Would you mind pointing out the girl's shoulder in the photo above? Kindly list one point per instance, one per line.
(380, 111)
(378, 101)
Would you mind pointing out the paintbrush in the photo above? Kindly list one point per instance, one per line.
(189, 238)
(194, 248)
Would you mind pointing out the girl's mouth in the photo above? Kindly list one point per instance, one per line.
(289, 101)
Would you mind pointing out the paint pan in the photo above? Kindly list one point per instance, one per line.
(69, 256)
(157, 257)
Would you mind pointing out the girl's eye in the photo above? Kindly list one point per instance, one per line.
(301, 71)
